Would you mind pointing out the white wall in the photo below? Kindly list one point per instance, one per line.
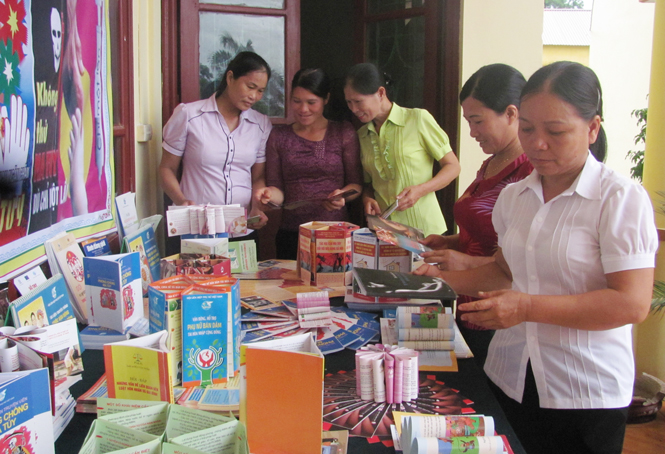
(621, 41)
(497, 31)
(148, 104)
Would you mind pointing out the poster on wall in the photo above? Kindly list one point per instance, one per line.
(56, 160)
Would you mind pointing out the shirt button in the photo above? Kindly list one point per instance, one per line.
(539, 219)
(532, 277)
(529, 248)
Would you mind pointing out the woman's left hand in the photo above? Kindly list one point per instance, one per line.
(332, 205)
(409, 196)
(498, 309)
(263, 218)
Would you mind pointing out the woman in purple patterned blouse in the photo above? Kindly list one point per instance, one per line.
(311, 158)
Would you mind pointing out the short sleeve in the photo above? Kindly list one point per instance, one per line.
(174, 134)
(433, 139)
(627, 230)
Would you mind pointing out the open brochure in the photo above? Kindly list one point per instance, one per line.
(206, 220)
(140, 368)
(184, 430)
(449, 434)
(299, 407)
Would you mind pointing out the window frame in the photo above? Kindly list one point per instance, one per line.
(123, 71)
(189, 61)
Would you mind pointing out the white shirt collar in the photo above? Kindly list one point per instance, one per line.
(587, 183)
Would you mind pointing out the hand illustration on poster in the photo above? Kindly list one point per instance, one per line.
(55, 125)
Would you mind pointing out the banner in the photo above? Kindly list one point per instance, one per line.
(56, 160)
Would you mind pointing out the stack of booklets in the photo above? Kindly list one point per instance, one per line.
(26, 412)
(65, 257)
(223, 397)
(65, 407)
(87, 402)
(387, 374)
(454, 434)
(376, 290)
(206, 220)
(429, 329)
(95, 337)
(313, 309)
(159, 427)
(268, 320)
(423, 328)
(389, 333)
(46, 335)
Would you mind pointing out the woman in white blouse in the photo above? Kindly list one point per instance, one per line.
(573, 271)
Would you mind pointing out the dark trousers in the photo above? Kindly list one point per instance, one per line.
(286, 244)
(546, 430)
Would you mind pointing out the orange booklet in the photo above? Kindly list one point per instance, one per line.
(282, 418)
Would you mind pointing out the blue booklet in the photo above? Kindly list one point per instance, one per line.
(113, 290)
(208, 347)
(26, 411)
(143, 241)
(47, 304)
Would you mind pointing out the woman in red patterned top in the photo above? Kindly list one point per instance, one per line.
(489, 101)
(311, 158)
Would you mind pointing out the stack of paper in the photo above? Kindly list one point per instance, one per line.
(313, 309)
(267, 320)
(206, 220)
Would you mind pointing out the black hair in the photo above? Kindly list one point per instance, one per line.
(497, 86)
(313, 80)
(366, 79)
(577, 85)
(242, 64)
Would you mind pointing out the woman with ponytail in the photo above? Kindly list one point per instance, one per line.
(398, 147)
(573, 271)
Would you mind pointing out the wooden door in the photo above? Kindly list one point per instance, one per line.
(417, 43)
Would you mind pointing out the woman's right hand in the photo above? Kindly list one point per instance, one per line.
(371, 206)
(427, 270)
(263, 196)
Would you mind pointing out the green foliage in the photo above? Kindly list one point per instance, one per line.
(578, 4)
(658, 298)
(637, 156)
(272, 103)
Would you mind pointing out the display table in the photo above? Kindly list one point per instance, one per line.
(469, 380)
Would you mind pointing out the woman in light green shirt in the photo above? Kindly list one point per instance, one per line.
(398, 147)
